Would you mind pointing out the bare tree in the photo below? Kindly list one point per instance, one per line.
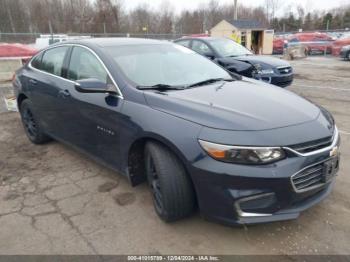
(272, 7)
(165, 17)
(89, 16)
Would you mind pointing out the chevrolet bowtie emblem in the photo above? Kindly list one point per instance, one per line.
(334, 151)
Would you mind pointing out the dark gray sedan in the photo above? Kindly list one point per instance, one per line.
(238, 59)
(240, 150)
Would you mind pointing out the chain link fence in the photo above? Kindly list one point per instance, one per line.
(32, 38)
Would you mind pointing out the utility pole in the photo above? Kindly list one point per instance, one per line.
(51, 32)
(104, 23)
(235, 14)
(327, 24)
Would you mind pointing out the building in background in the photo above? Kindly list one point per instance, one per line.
(251, 34)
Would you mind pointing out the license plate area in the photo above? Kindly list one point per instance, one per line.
(330, 168)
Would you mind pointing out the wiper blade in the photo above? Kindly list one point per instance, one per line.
(209, 81)
(160, 87)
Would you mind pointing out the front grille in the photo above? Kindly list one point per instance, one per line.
(309, 177)
(315, 176)
(284, 70)
(312, 145)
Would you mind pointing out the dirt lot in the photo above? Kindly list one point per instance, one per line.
(54, 200)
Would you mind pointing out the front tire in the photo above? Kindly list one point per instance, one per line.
(173, 194)
(31, 124)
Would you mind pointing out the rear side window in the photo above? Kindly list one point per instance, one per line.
(83, 64)
(185, 43)
(36, 62)
(52, 60)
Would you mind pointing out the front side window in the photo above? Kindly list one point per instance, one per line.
(227, 47)
(84, 64)
(200, 47)
(52, 60)
(170, 64)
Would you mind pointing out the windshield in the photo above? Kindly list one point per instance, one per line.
(226, 47)
(166, 64)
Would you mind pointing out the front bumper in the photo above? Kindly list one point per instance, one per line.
(241, 194)
(282, 80)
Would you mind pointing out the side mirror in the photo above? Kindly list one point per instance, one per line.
(93, 85)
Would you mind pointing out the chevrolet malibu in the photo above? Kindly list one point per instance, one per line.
(239, 150)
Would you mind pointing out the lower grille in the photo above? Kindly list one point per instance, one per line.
(308, 178)
(284, 83)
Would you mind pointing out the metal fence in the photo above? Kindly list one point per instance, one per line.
(30, 38)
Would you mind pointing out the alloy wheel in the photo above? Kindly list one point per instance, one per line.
(29, 123)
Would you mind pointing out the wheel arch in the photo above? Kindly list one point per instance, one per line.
(135, 157)
(20, 98)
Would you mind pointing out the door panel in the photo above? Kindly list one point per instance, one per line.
(44, 84)
(93, 120)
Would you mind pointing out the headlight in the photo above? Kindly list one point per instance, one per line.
(267, 71)
(242, 154)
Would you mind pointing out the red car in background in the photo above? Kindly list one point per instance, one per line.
(338, 45)
(316, 43)
(278, 44)
(24, 52)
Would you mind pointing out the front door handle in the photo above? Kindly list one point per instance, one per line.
(64, 93)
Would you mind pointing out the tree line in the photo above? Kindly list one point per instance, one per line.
(112, 16)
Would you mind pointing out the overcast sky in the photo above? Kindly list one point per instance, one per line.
(179, 5)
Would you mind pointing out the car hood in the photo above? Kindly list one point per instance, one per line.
(265, 61)
(239, 105)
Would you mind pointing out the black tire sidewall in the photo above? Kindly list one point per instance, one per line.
(148, 157)
(173, 178)
(40, 137)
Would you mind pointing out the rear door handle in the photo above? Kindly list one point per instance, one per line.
(64, 93)
(33, 82)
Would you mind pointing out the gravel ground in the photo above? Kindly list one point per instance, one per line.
(54, 200)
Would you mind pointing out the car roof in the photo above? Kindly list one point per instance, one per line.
(115, 41)
(205, 38)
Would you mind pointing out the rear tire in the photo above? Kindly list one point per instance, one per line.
(31, 124)
(173, 194)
